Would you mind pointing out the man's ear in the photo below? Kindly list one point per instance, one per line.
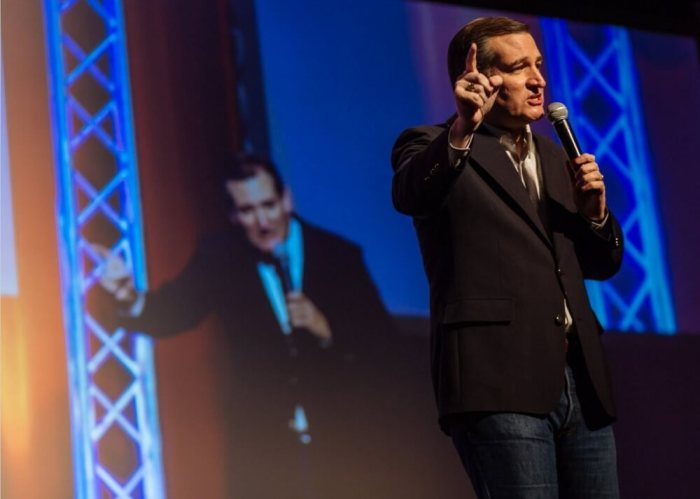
(287, 201)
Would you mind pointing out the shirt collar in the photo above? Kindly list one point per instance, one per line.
(293, 241)
(506, 140)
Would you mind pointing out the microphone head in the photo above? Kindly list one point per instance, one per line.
(557, 111)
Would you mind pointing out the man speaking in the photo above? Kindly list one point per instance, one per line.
(304, 330)
(509, 229)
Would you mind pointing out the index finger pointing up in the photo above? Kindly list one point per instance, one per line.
(471, 59)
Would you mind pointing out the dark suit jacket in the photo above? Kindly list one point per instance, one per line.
(259, 381)
(222, 278)
(498, 276)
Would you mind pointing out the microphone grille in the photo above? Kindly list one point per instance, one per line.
(557, 111)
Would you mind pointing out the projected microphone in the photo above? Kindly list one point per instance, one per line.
(558, 114)
(283, 268)
(284, 271)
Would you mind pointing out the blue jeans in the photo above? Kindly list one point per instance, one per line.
(510, 455)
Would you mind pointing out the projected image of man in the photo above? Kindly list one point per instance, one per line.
(300, 311)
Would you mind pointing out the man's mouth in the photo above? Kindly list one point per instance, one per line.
(535, 100)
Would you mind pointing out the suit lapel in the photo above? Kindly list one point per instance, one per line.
(554, 175)
(558, 187)
(491, 157)
(252, 304)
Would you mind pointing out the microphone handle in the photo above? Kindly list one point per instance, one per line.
(285, 275)
(567, 138)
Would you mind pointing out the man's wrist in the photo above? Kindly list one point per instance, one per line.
(457, 154)
(599, 224)
(459, 140)
(135, 306)
(603, 227)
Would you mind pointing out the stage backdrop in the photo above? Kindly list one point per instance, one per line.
(328, 90)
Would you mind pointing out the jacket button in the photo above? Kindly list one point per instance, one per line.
(559, 320)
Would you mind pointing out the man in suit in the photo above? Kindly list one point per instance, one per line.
(305, 331)
(508, 231)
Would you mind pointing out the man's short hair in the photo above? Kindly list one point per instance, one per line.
(244, 166)
(479, 31)
(247, 165)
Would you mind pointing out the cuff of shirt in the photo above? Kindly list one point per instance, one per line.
(137, 307)
(456, 155)
(599, 225)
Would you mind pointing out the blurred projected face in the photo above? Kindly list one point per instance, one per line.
(521, 98)
(260, 210)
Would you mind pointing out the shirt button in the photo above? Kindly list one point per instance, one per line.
(559, 320)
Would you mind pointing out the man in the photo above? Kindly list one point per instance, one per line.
(508, 231)
(303, 323)
(270, 247)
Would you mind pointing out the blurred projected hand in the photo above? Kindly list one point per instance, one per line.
(116, 276)
(304, 314)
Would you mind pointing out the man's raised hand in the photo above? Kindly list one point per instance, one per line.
(474, 94)
(116, 275)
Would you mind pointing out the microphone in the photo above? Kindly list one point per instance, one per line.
(283, 268)
(557, 115)
(284, 271)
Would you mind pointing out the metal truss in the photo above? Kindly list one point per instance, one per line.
(116, 437)
(592, 71)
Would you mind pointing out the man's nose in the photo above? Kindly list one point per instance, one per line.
(262, 219)
(537, 79)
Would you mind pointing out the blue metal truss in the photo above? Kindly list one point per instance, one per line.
(116, 437)
(593, 72)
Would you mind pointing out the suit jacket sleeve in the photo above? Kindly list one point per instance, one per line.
(423, 174)
(181, 303)
(599, 251)
(337, 280)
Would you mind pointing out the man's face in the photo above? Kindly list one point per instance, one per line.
(261, 211)
(520, 99)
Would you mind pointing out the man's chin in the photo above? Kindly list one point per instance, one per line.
(536, 112)
(267, 246)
